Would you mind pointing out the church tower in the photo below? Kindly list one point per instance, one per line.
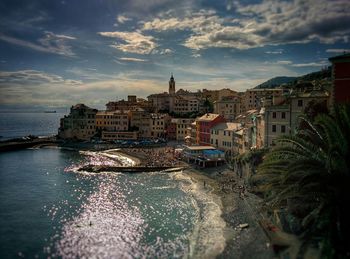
(172, 85)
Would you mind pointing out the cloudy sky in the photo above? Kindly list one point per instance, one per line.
(58, 53)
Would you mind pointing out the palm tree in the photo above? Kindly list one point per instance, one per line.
(308, 176)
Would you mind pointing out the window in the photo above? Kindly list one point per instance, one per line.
(283, 115)
(283, 128)
(300, 103)
(274, 115)
(273, 128)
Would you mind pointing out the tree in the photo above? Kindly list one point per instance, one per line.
(307, 175)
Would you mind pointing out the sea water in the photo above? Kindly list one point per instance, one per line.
(16, 125)
(51, 209)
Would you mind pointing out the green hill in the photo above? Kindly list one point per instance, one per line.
(276, 81)
(292, 81)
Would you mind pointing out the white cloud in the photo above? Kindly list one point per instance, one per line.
(123, 19)
(284, 62)
(280, 51)
(166, 51)
(270, 22)
(134, 42)
(40, 88)
(338, 51)
(133, 59)
(50, 43)
(312, 64)
(290, 63)
(33, 76)
(197, 22)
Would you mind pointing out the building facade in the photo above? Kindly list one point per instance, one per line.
(112, 121)
(204, 125)
(181, 127)
(341, 78)
(79, 124)
(140, 121)
(222, 136)
(228, 107)
(158, 125)
(253, 97)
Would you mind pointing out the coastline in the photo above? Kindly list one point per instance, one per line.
(223, 185)
(236, 208)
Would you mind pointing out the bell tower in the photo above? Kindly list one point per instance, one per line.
(172, 85)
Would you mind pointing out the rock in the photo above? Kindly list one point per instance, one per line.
(245, 225)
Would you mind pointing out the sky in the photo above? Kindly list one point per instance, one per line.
(59, 53)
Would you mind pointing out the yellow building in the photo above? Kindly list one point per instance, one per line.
(228, 107)
(222, 136)
(112, 120)
(182, 125)
(158, 124)
(140, 121)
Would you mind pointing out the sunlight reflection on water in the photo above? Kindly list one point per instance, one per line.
(123, 216)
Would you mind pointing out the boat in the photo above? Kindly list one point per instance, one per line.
(49, 111)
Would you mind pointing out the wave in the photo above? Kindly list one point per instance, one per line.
(207, 238)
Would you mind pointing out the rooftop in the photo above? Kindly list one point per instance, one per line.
(208, 117)
(345, 56)
(227, 126)
(196, 148)
(111, 112)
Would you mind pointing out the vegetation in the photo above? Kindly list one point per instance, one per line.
(291, 82)
(276, 82)
(307, 176)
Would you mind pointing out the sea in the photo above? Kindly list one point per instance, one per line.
(21, 124)
(51, 209)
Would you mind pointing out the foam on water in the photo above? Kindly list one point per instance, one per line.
(207, 239)
(119, 219)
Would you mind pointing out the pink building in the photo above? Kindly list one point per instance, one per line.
(204, 125)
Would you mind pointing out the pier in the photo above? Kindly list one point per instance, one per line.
(17, 144)
(129, 169)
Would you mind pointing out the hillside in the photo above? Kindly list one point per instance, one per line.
(292, 81)
(276, 81)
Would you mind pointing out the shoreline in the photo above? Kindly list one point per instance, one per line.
(248, 242)
(237, 207)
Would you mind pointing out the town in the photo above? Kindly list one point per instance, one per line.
(225, 121)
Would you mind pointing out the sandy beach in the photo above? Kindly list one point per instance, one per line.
(240, 209)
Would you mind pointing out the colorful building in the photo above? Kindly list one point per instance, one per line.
(204, 125)
(112, 121)
(222, 135)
